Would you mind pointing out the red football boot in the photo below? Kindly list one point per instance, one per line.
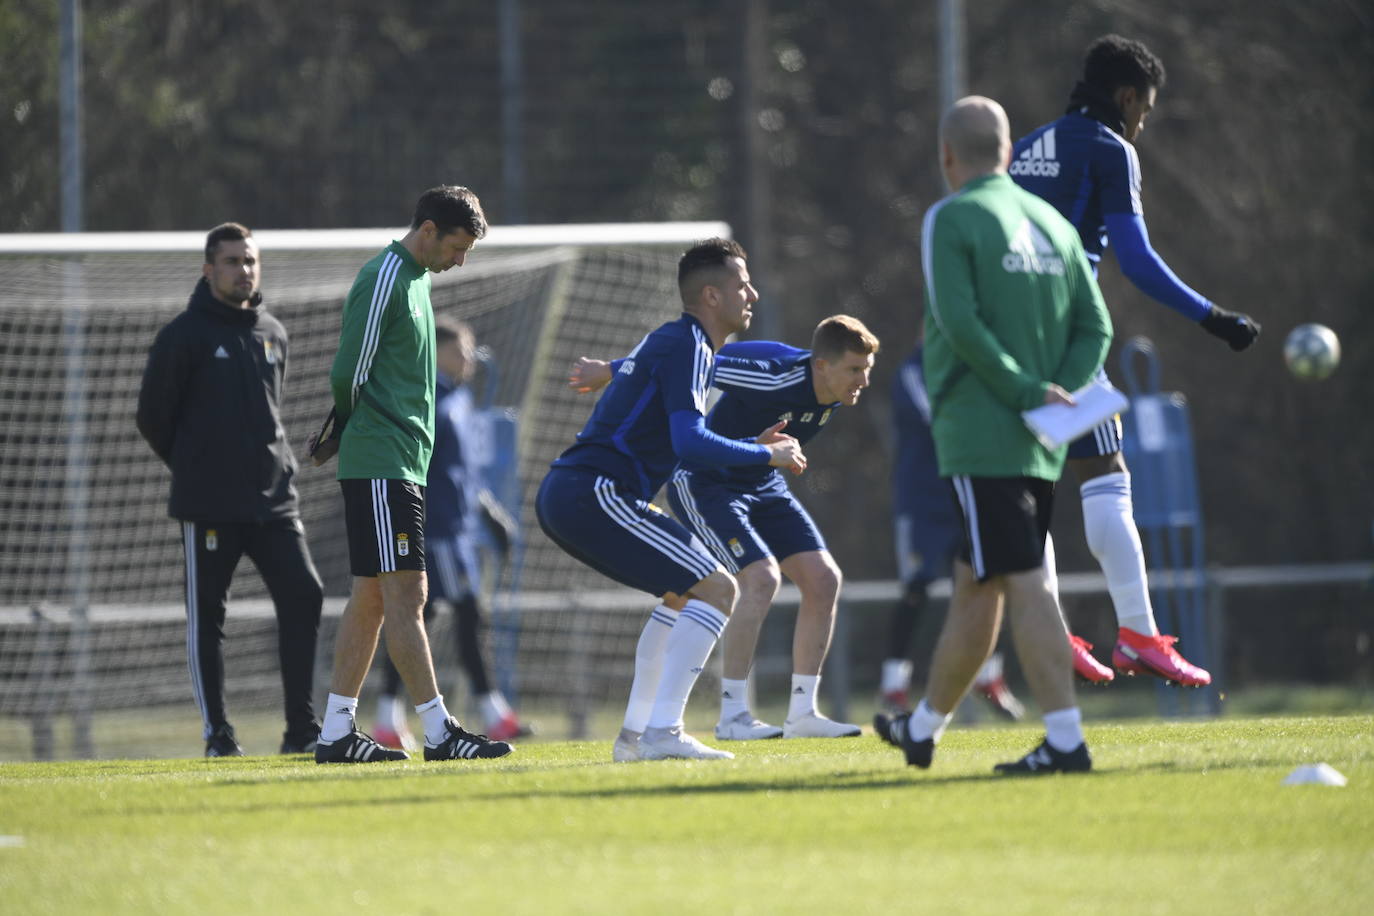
(509, 728)
(1140, 653)
(1087, 667)
(894, 702)
(401, 739)
(1000, 696)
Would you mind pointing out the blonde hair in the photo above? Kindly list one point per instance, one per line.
(841, 334)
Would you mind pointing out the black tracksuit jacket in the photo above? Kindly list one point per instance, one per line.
(210, 408)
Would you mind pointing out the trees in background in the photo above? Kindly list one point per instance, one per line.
(1258, 188)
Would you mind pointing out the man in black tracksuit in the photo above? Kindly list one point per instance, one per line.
(209, 409)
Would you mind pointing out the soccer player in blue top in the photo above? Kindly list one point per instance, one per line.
(751, 522)
(595, 501)
(1085, 164)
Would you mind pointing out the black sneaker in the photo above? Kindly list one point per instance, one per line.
(893, 730)
(222, 743)
(356, 747)
(918, 753)
(1045, 759)
(299, 744)
(464, 745)
(882, 727)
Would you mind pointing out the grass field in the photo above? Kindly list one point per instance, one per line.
(1178, 817)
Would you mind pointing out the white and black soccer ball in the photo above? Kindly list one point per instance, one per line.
(1312, 352)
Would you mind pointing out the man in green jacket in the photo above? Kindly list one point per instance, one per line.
(1014, 320)
(383, 385)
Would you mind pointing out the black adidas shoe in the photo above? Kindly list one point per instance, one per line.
(299, 744)
(356, 747)
(1045, 759)
(222, 743)
(893, 730)
(464, 745)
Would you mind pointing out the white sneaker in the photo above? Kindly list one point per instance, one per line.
(815, 725)
(626, 747)
(668, 743)
(744, 727)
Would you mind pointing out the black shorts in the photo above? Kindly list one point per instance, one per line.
(1005, 522)
(386, 526)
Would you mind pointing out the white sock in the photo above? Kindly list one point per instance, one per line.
(991, 670)
(1109, 523)
(340, 714)
(494, 707)
(896, 675)
(802, 700)
(648, 667)
(693, 636)
(734, 698)
(1064, 729)
(435, 717)
(925, 722)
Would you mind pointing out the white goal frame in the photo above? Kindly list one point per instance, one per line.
(85, 608)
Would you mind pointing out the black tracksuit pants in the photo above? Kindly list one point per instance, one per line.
(278, 549)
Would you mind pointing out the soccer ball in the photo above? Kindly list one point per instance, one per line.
(1312, 352)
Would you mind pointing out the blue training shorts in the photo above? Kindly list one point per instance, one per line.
(926, 546)
(598, 521)
(455, 568)
(742, 525)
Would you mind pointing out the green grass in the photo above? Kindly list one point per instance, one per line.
(1178, 817)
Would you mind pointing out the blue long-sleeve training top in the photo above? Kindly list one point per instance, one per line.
(1091, 175)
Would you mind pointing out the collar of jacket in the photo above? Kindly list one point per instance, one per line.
(202, 300)
(1099, 106)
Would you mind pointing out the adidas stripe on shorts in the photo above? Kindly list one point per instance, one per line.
(1006, 520)
(386, 526)
(600, 522)
(1102, 440)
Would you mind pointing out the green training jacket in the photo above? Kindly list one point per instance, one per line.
(383, 374)
(1011, 305)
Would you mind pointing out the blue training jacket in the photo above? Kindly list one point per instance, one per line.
(762, 382)
(1091, 175)
(653, 413)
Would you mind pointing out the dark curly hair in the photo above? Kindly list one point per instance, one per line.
(1113, 62)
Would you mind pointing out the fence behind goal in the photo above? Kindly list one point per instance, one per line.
(91, 570)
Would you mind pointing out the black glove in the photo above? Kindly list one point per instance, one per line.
(1238, 330)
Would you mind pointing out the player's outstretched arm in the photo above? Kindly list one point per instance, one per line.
(1126, 233)
(588, 375)
(748, 359)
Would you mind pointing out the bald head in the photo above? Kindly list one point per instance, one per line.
(975, 134)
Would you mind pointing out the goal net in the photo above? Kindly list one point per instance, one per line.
(91, 569)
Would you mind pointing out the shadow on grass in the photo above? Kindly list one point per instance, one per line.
(844, 781)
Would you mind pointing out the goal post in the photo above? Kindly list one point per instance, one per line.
(91, 577)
